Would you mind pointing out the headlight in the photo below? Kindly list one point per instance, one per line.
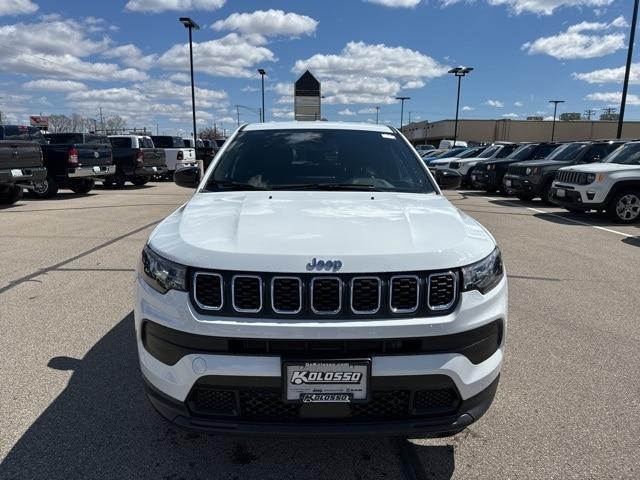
(491, 167)
(162, 274)
(528, 171)
(591, 177)
(483, 275)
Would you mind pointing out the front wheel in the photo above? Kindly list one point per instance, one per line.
(139, 181)
(82, 187)
(47, 188)
(10, 195)
(116, 180)
(545, 195)
(525, 197)
(624, 207)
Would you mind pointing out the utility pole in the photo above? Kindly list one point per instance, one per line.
(402, 99)
(410, 112)
(191, 25)
(459, 72)
(102, 121)
(588, 112)
(238, 113)
(377, 112)
(625, 86)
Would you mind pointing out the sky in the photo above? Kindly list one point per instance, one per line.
(130, 58)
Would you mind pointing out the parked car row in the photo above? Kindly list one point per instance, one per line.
(44, 163)
(579, 176)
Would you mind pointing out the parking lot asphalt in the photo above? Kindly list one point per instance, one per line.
(73, 406)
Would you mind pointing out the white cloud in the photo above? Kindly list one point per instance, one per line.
(157, 6)
(511, 115)
(347, 113)
(467, 108)
(268, 23)
(518, 104)
(282, 113)
(613, 98)
(610, 75)
(574, 43)
(17, 7)
(396, 3)
(52, 85)
(495, 103)
(249, 89)
(373, 74)
(540, 7)
(131, 56)
(367, 110)
(230, 56)
(180, 78)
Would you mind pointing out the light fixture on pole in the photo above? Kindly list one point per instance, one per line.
(555, 111)
(262, 73)
(627, 73)
(458, 72)
(402, 99)
(191, 25)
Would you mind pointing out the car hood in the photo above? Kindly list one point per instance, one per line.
(282, 231)
(601, 167)
(540, 163)
(473, 159)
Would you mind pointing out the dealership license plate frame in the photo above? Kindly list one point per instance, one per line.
(362, 365)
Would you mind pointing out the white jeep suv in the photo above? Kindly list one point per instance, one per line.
(612, 186)
(319, 283)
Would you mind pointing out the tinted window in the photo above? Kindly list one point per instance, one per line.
(488, 152)
(319, 158)
(145, 142)
(568, 152)
(163, 142)
(629, 154)
(19, 132)
(451, 153)
(599, 151)
(96, 139)
(65, 138)
(120, 142)
(543, 151)
(522, 152)
(187, 142)
(506, 151)
(470, 152)
(177, 142)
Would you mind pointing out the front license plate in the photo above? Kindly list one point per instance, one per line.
(333, 381)
(560, 193)
(507, 183)
(16, 173)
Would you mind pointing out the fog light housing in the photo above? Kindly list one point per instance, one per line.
(591, 195)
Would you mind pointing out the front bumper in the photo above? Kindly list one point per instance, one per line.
(572, 199)
(521, 185)
(484, 180)
(23, 176)
(91, 171)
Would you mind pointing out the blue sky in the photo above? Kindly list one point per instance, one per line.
(129, 57)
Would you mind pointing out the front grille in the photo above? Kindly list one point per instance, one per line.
(404, 294)
(575, 178)
(268, 405)
(454, 165)
(517, 170)
(247, 293)
(286, 295)
(208, 287)
(326, 295)
(308, 296)
(208, 401)
(442, 291)
(365, 295)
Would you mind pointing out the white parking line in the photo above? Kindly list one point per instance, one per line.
(578, 222)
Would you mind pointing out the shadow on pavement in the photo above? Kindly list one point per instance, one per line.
(634, 241)
(102, 426)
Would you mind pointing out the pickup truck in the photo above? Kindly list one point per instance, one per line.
(136, 159)
(73, 161)
(20, 161)
(176, 154)
(205, 150)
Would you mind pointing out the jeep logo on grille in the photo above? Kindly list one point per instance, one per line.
(326, 265)
(299, 377)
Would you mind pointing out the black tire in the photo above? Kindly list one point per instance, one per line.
(82, 187)
(545, 195)
(11, 195)
(48, 188)
(525, 197)
(576, 210)
(491, 189)
(117, 180)
(624, 207)
(139, 181)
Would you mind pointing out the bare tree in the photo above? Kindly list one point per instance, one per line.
(115, 124)
(60, 124)
(210, 133)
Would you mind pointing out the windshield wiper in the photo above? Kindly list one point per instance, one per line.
(329, 186)
(233, 185)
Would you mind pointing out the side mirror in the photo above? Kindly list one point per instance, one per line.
(188, 177)
(448, 179)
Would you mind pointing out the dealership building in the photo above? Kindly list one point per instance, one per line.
(508, 130)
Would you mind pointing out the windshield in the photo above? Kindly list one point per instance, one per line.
(489, 152)
(522, 152)
(629, 154)
(451, 153)
(319, 159)
(470, 152)
(567, 153)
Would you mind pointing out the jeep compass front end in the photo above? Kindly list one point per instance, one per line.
(319, 283)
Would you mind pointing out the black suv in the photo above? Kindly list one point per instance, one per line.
(531, 179)
(488, 175)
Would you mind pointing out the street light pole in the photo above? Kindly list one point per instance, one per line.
(625, 86)
(191, 25)
(458, 72)
(555, 111)
(262, 73)
(377, 112)
(402, 99)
